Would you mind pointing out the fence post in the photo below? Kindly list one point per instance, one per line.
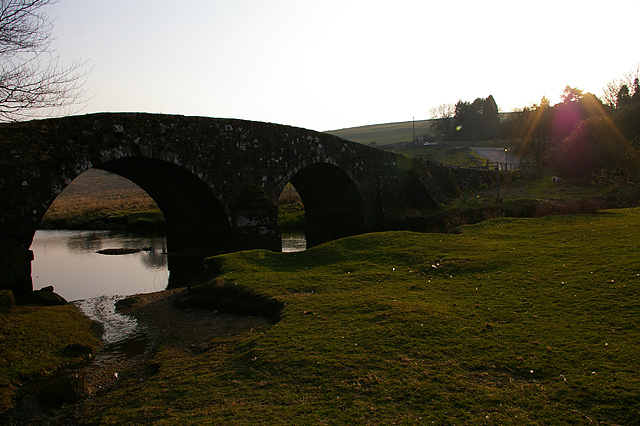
(498, 199)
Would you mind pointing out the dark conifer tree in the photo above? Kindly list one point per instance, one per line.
(490, 118)
(477, 120)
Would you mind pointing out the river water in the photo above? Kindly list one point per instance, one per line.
(68, 260)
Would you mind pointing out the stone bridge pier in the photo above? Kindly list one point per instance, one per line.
(217, 181)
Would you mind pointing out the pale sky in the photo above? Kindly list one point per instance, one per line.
(331, 64)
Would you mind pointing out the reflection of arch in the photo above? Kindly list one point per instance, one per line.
(332, 202)
(194, 217)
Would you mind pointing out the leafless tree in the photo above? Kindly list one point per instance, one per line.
(443, 116)
(612, 91)
(32, 80)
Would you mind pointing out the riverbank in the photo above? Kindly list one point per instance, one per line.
(511, 321)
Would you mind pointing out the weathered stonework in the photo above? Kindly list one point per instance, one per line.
(216, 180)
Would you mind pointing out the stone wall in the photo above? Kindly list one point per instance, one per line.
(216, 180)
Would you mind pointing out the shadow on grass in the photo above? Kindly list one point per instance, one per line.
(229, 298)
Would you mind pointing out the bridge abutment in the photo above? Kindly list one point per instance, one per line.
(15, 270)
(256, 225)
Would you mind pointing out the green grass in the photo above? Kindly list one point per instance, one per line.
(512, 321)
(102, 200)
(33, 342)
(107, 218)
(383, 134)
(291, 216)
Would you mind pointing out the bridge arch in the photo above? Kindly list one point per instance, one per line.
(194, 216)
(215, 179)
(333, 203)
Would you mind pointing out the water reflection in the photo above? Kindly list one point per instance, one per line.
(293, 241)
(115, 327)
(82, 241)
(93, 241)
(68, 261)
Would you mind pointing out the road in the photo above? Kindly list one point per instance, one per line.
(496, 155)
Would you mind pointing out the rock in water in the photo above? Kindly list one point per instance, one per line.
(46, 297)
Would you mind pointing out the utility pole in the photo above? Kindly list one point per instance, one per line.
(413, 120)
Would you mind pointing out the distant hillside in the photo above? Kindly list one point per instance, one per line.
(392, 133)
(383, 134)
(100, 184)
(96, 190)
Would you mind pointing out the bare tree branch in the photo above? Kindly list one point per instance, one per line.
(32, 80)
(443, 116)
(610, 93)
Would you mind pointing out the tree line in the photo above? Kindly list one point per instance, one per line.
(580, 137)
(467, 121)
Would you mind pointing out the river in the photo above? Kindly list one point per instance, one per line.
(68, 261)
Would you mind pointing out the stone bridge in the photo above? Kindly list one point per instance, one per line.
(217, 181)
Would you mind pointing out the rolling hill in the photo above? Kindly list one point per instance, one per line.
(383, 134)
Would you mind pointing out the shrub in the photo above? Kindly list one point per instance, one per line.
(572, 206)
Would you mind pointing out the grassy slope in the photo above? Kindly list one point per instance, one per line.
(513, 321)
(101, 185)
(384, 133)
(389, 133)
(97, 196)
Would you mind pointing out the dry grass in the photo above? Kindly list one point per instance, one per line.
(289, 195)
(66, 207)
(96, 191)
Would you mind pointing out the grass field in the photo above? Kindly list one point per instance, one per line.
(102, 200)
(98, 200)
(103, 188)
(383, 134)
(392, 133)
(510, 322)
